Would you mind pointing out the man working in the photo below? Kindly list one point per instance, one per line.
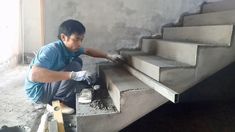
(56, 70)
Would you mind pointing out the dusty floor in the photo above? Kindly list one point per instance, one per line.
(15, 109)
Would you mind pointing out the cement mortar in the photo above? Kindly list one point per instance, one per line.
(103, 104)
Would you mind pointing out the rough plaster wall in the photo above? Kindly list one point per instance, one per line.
(112, 24)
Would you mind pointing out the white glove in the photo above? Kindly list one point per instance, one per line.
(114, 57)
(78, 76)
(81, 76)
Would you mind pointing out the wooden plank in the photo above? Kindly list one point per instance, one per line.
(53, 126)
(58, 115)
(160, 88)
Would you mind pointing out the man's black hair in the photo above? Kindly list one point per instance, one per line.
(71, 26)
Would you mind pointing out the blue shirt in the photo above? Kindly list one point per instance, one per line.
(54, 56)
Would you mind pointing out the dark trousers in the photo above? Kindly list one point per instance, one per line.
(64, 90)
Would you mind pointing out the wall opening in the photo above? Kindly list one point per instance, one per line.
(9, 33)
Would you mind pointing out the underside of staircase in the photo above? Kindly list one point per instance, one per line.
(162, 69)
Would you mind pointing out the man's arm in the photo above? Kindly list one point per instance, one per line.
(43, 75)
(95, 53)
(99, 54)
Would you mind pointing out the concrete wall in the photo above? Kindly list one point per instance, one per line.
(31, 18)
(112, 24)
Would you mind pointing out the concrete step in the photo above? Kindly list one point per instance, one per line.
(219, 6)
(154, 65)
(215, 18)
(135, 99)
(178, 51)
(118, 81)
(217, 35)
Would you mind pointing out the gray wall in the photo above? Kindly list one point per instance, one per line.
(31, 16)
(112, 24)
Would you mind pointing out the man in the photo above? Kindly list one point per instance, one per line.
(55, 71)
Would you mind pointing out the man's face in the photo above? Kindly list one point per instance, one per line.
(73, 42)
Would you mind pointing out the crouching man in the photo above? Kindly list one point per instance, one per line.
(56, 70)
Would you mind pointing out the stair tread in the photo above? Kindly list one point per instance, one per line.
(161, 62)
(123, 80)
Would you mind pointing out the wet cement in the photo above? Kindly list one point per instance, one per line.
(101, 104)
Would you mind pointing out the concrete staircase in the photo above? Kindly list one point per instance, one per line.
(163, 69)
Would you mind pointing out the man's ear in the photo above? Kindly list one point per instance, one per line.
(63, 37)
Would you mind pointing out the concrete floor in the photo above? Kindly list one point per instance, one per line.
(15, 109)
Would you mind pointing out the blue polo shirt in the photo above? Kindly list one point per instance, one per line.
(54, 56)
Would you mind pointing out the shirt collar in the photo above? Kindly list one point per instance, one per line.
(65, 49)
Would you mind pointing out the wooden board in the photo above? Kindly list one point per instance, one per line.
(58, 115)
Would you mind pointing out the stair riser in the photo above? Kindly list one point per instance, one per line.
(122, 82)
(219, 35)
(185, 53)
(219, 56)
(210, 60)
(179, 79)
(144, 67)
(219, 6)
(114, 93)
(218, 18)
